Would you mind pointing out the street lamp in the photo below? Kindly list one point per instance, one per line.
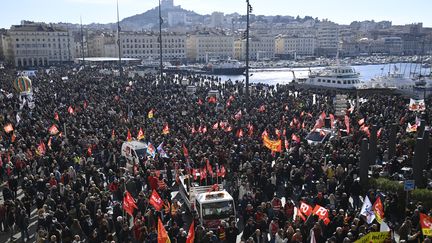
(160, 41)
(249, 10)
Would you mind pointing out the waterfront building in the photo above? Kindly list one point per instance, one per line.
(203, 45)
(291, 46)
(145, 45)
(260, 48)
(37, 44)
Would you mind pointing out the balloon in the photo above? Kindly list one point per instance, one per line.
(22, 84)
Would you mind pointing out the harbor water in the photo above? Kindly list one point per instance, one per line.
(275, 76)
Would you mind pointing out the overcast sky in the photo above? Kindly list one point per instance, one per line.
(104, 11)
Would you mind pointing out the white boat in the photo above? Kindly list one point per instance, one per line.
(394, 81)
(226, 67)
(334, 77)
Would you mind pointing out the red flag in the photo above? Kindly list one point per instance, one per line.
(221, 172)
(239, 133)
(212, 100)
(85, 105)
(322, 213)
(379, 132)
(53, 130)
(185, 151)
(199, 101)
(8, 128)
(262, 108)
(49, 142)
(129, 203)
(140, 135)
(89, 151)
(286, 108)
(331, 120)
(193, 131)
(238, 115)
(318, 123)
(295, 138)
(165, 129)
(209, 168)
(156, 201)
(204, 129)
(361, 122)
(13, 137)
(264, 134)
(41, 149)
(305, 209)
(56, 116)
(203, 173)
(191, 234)
(228, 104)
(129, 136)
(162, 234)
(250, 129)
(71, 110)
(347, 124)
(215, 126)
(426, 224)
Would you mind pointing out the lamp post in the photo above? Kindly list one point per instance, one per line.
(118, 43)
(160, 42)
(249, 10)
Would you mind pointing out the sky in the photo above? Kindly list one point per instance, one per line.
(104, 11)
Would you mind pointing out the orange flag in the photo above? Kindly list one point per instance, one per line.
(273, 145)
(165, 129)
(378, 210)
(191, 235)
(129, 136)
(140, 135)
(8, 128)
(162, 234)
(53, 130)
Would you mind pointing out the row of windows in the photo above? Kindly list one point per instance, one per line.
(41, 33)
(40, 45)
(151, 51)
(151, 40)
(151, 46)
(17, 40)
(354, 81)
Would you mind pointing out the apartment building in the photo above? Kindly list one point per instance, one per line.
(262, 47)
(291, 46)
(203, 46)
(145, 45)
(37, 44)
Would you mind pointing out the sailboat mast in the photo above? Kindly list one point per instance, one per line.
(118, 42)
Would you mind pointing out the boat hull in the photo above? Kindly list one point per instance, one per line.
(228, 71)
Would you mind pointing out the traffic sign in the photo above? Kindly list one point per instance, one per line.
(409, 185)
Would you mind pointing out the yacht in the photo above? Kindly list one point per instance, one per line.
(334, 77)
(226, 67)
(394, 81)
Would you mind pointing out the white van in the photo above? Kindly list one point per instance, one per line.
(134, 152)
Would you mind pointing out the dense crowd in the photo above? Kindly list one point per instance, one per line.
(75, 187)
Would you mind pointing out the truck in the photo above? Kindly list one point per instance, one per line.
(213, 204)
(134, 152)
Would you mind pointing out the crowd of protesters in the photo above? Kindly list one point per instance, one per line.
(73, 190)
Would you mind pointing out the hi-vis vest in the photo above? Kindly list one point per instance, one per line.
(221, 233)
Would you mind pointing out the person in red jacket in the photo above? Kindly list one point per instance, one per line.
(153, 181)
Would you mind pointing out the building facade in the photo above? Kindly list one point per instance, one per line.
(36, 44)
(259, 48)
(327, 39)
(287, 47)
(203, 46)
(145, 45)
